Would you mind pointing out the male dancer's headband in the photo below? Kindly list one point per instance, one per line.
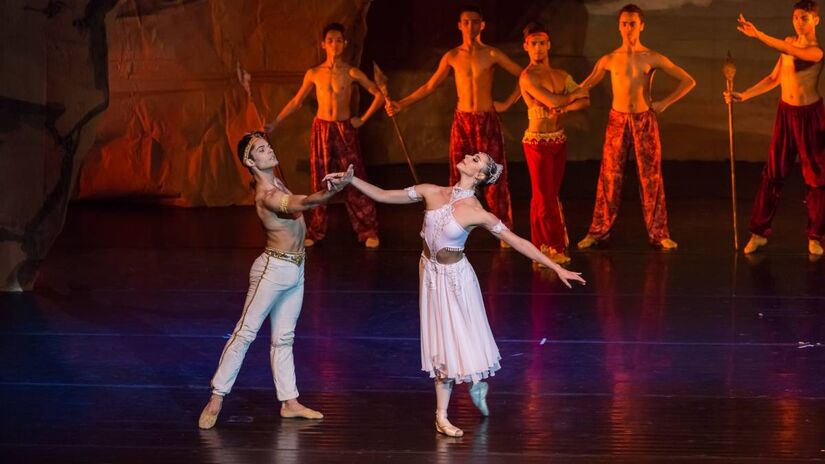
(248, 148)
(546, 35)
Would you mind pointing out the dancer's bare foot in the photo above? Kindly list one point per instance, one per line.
(293, 409)
(815, 247)
(309, 243)
(209, 415)
(372, 242)
(756, 242)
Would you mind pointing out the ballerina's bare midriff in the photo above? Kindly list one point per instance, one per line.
(446, 255)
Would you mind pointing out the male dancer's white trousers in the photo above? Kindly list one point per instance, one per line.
(276, 289)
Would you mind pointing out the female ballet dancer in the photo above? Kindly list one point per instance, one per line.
(457, 344)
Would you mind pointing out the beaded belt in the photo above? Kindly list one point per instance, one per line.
(296, 258)
(551, 137)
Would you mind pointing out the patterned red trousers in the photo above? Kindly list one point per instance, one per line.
(475, 132)
(546, 155)
(334, 145)
(797, 130)
(639, 131)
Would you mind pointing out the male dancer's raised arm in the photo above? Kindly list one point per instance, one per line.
(807, 52)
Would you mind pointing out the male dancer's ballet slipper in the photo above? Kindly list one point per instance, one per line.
(587, 242)
(668, 244)
(207, 420)
(815, 247)
(756, 242)
(478, 393)
(305, 413)
(559, 258)
(442, 425)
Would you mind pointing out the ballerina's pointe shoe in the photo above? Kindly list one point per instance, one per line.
(442, 425)
(756, 242)
(207, 419)
(815, 247)
(478, 393)
(587, 242)
(305, 413)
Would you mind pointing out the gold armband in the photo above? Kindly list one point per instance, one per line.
(284, 202)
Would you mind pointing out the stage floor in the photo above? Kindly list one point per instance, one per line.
(699, 355)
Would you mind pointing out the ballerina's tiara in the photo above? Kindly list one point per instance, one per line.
(494, 173)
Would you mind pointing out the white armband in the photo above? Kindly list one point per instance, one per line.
(499, 228)
(414, 196)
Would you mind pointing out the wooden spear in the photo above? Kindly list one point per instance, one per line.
(381, 82)
(729, 70)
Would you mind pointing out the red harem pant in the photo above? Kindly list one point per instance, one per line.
(546, 154)
(475, 132)
(798, 129)
(333, 146)
(640, 131)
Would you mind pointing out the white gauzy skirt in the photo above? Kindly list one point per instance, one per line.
(456, 340)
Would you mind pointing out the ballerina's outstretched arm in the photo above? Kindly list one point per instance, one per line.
(493, 224)
(412, 194)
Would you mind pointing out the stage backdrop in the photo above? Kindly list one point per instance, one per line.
(53, 89)
(178, 107)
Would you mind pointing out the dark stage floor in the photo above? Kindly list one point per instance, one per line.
(701, 355)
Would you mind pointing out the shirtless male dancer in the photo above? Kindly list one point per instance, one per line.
(276, 282)
(476, 127)
(334, 144)
(633, 122)
(549, 92)
(799, 128)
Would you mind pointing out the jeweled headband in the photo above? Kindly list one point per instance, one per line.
(248, 148)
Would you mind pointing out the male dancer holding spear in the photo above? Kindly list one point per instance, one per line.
(334, 143)
(476, 127)
(799, 127)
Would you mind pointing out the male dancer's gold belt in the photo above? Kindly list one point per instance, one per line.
(551, 137)
(296, 258)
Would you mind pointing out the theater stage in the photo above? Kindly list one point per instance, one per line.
(699, 355)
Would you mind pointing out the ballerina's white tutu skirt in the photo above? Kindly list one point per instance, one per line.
(456, 340)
